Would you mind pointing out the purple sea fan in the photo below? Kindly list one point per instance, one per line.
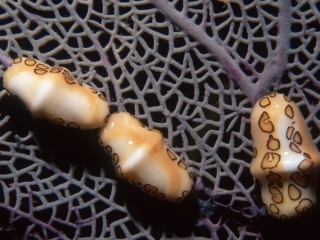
(192, 70)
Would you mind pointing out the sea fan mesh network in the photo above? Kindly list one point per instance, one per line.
(193, 70)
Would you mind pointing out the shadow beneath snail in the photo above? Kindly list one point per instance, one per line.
(58, 144)
(20, 122)
(306, 227)
(174, 218)
(69, 145)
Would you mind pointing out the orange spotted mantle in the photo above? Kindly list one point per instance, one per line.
(285, 161)
(53, 93)
(141, 158)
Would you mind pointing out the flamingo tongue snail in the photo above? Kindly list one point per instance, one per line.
(286, 162)
(54, 94)
(141, 157)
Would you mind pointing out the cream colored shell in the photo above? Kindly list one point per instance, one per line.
(141, 157)
(286, 161)
(54, 94)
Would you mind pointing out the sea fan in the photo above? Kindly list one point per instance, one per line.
(191, 69)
